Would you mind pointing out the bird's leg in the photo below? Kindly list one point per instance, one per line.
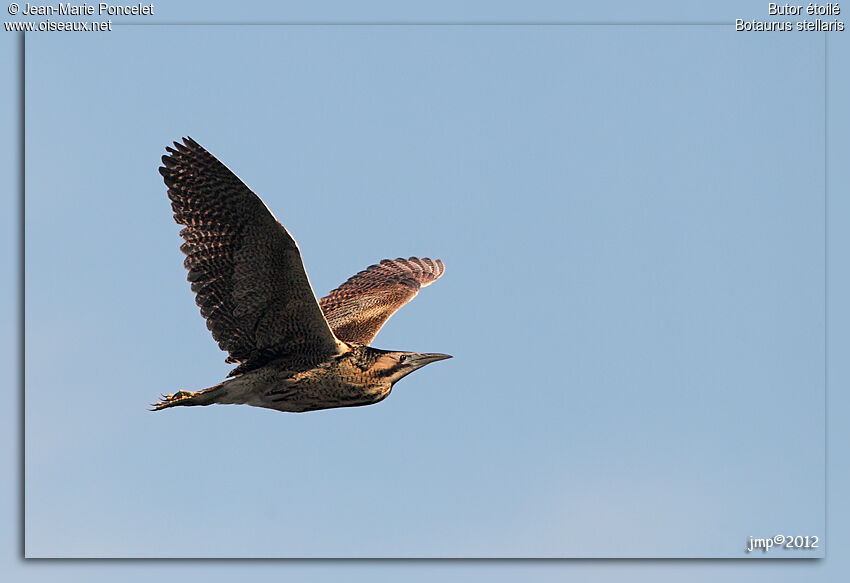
(188, 398)
(178, 398)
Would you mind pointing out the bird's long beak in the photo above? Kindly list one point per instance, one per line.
(421, 359)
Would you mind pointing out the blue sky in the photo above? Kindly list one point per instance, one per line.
(632, 221)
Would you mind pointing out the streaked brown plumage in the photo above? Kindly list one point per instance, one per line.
(293, 353)
(358, 309)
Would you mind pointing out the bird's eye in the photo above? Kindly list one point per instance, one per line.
(402, 358)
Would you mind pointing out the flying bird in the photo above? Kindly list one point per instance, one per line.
(294, 353)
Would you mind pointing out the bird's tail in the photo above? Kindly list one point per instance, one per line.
(189, 398)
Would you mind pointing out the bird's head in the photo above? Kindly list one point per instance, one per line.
(395, 365)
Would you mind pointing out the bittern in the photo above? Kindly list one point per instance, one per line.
(293, 353)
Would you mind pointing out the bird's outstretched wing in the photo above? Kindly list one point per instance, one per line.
(244, 267)
(358, 309)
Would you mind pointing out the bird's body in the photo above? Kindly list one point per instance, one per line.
(361, 376)
(294, 353)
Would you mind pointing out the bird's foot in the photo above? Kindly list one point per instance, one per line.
(178, 398)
